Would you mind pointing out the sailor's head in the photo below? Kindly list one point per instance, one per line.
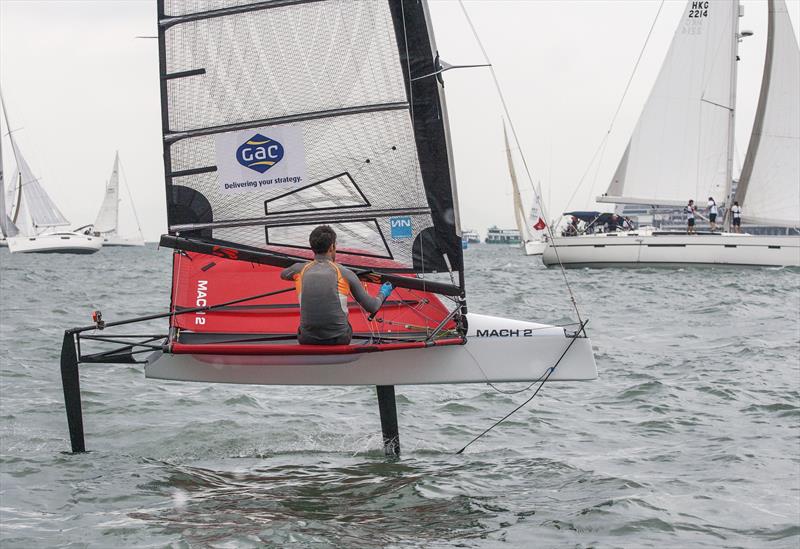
(691, 202)
(711, 199)
(735, 202)
(323, 240)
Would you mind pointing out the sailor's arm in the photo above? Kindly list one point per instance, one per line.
(369, 303)
(289, 273)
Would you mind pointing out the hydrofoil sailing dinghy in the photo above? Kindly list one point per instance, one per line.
(325, 112)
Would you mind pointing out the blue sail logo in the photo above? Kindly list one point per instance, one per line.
(259, 153)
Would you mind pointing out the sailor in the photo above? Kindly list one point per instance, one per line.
(689, 211)
(572, 228)
(323, 288)
(712, 213)
(612, 224)
(736, 212)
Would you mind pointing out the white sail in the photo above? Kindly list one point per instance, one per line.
(679, 149)
(40, 208)
(7, 227)
(32, 208)
(769, 188)
(519, 209)
(108, 216)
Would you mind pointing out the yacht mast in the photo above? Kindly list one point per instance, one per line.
(732, 115)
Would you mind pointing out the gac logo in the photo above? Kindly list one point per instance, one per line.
(259, 153)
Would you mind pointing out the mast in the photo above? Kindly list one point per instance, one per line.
(732, 114)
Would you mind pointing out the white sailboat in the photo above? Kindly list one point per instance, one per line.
(682, 148)
(531, 244)
(33, 222)
(106, 226)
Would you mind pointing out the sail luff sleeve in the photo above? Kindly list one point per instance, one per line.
(303, 108)
(419, 57)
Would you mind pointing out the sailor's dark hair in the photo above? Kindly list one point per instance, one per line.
(735, 202)
(322, 238)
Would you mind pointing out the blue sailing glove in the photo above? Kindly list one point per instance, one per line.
(385, 290)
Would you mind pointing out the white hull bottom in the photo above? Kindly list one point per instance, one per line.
(497, 350)
(120, 241)
(65, 243)
(674, 250)
(534, 247)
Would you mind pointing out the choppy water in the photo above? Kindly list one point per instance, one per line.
(689, 438)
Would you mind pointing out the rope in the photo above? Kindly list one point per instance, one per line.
(601, 146)
(544, 377)
(524, 160)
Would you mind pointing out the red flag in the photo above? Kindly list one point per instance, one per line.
(540, 225)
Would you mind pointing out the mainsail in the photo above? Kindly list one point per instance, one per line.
(6, 225)
(280, 116)
(519, 209)
(108, 216)
(680, 147)
(769, 188)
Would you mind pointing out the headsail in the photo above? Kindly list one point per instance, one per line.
(768, 190)
(40, 207)
(279, 116)
(108, 216)
(679, 149)
(33, 208)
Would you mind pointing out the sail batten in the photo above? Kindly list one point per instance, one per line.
(289, 114)
(175, 136)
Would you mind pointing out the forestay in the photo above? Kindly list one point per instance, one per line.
(768, 190)
(679, 148)
(279, 116)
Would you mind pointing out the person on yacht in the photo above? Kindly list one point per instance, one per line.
(689, 210)
(712, 213)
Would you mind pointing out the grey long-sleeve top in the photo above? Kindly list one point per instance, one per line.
(323, 289)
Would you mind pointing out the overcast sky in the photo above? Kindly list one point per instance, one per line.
(79, 85)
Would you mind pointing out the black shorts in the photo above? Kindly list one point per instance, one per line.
(737, 221)
(691, 222)
(712, 217)
(344, 339)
